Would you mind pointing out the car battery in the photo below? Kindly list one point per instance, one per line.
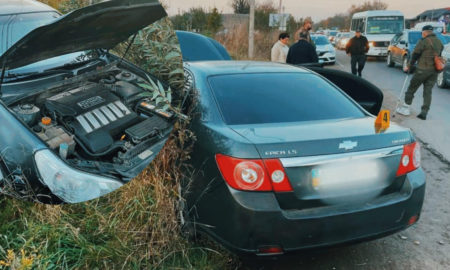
(148, 108)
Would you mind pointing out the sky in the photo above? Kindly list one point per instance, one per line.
(317, 9)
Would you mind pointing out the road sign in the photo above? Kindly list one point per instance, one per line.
(279, 20)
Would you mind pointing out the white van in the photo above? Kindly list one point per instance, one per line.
(379, 27)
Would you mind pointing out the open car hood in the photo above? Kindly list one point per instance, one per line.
(99, 26)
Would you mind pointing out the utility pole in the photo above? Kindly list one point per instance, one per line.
(251, 30)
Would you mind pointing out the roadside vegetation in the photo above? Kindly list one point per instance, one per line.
(233, 33)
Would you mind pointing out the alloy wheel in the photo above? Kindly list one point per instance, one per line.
(440, 80)
(389, 60)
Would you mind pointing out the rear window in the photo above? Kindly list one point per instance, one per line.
(279, 98)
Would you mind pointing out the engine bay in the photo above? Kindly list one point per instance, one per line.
(105, 123)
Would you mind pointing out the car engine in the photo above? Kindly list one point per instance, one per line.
(107, 120)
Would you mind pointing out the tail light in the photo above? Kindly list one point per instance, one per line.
(253, 174)
(410, 160)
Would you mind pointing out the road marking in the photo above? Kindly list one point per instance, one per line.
(341, 65)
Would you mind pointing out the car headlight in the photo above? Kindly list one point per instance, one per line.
(71, 185)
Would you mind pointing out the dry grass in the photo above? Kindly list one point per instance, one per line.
(236, 43)
(136, 227)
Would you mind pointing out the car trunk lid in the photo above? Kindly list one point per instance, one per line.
(330, 162)
(321, 137)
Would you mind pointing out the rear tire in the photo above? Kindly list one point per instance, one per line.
(389, 61)
(441, 81)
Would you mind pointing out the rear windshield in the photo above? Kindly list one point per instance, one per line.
(279, 98)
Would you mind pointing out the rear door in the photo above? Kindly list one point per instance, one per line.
(362, 91)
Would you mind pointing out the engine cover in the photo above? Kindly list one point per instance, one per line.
(97, 116)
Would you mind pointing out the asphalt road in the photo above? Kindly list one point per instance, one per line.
(425, 245)
(436, 129)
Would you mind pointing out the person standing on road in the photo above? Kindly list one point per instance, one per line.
(302, 52)
(307, 26)
(280, 49)
(357, 47)
(424, 52)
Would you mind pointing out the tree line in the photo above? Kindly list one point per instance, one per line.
(343, 20)
(210, 21)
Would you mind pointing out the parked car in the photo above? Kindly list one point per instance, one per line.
(75, 121)
(443, 80)
(325, 51)
(342, 40)
(332, 36)
(278, 169)
(403, 44)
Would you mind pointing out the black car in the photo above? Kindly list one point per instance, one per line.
(76, 120)
(286, 160)
(443, 80)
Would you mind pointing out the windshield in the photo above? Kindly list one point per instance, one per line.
(14, 27)
(320, 40)
(279, 98)
(385, 25)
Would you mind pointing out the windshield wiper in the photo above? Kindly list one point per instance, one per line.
(36, 74)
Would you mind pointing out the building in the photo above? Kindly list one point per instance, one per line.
(433, 15)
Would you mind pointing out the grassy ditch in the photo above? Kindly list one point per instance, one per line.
(136, 227)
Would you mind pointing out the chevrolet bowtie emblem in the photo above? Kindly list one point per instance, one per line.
(348, 145)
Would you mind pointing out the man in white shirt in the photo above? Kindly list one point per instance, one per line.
(280, 49)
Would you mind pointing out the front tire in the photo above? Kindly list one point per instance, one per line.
(389, 61)
(441, 80)
(404, 63)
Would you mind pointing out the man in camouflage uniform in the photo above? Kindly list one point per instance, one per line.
(425, 74)
(307, 26)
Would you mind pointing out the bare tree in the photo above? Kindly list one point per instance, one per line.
(240, 6)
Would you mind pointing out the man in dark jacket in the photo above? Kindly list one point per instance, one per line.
(425, 73)
(357, 47)
(302, 52)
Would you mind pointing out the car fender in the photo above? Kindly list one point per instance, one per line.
(17, 146)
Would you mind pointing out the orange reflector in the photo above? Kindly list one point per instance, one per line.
(46, 121)
(270, 250)
(123, 137)
(315, 182)
(383, 120)
(413, 220)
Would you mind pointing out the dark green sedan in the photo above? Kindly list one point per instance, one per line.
(286, 160)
